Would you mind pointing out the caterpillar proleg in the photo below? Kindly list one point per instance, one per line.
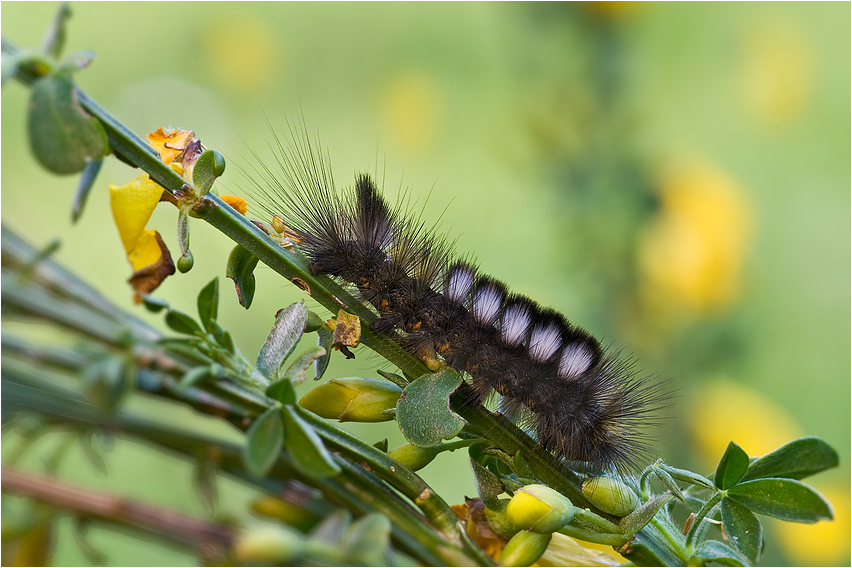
(552, 377)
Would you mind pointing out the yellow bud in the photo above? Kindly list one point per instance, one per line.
(353, 399)
(610, 495)
(539, 509)
(524, 548)
(269, 545)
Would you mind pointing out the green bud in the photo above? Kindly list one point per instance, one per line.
(524, 548)
(610, 495)
(185, 263)
(413, 457)
(499, 521)
(539, 509)
(353, 399)
(269, 545)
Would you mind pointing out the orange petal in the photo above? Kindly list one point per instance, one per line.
(170, 144)
(236, 202)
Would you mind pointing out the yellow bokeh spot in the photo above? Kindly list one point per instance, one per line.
(243, 52)
(691, 254)
(724, 411)
(413, 108)
(132, 205)
(777, 71)
(236, 202)
(825, 543)
(146, 252)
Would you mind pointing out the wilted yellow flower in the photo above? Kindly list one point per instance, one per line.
(725, 411)
(132, 205)
(170, 144)
(236, 202)
(691, 255)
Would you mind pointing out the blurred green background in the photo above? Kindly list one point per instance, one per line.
(673, 177)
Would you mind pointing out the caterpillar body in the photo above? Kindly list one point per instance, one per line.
(552, 377)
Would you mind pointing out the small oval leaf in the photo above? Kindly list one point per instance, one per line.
(285, 334)
(263, 444)
(208, 304)
(325, 339)
(182, 323)
(63, 136)
(240, 269)
(209, 166)
(305, 447)
(796, 460)
(296, 371)
(153, 303)
(732, 467)
(423, 411)
(785, 499)
(743, 528)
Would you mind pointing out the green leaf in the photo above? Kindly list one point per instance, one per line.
(785, 499)
(10, 64)
(208, 304)
(640, 517)
(263, 444)
(194, 376)
(107, 382)
(732, 467)
(282, 391)
(63, 137)
(296, 371)
(366, 541)
(687, 476)
(182, 323)
(77, 61)
(84, 186)
(153, 303)
(222, 336)
(325, 338)
(743, 528)
(240, 269)
(423, 411)
(306, 449)
(488, 486)
(54, 39)
(209, 166)
(183, 230)
(721, 553)
(91, 453)
(285, 334)
(206, 488)
(796, 460)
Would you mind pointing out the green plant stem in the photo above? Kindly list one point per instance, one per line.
(163, 523)
(673, 537)
(692, 534)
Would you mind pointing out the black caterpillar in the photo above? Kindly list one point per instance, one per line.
(553, 377)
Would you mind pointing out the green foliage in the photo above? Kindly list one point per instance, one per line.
(423, 411)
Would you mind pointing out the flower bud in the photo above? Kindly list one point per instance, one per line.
(414, 457)
(539, 509)
(353, 399)
(268, 545)
(524, 548)
(610, 495)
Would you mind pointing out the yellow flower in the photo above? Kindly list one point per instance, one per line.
(236, 202)
(724, 411)
(691, 255)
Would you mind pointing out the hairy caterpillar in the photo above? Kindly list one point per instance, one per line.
(552, 377)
